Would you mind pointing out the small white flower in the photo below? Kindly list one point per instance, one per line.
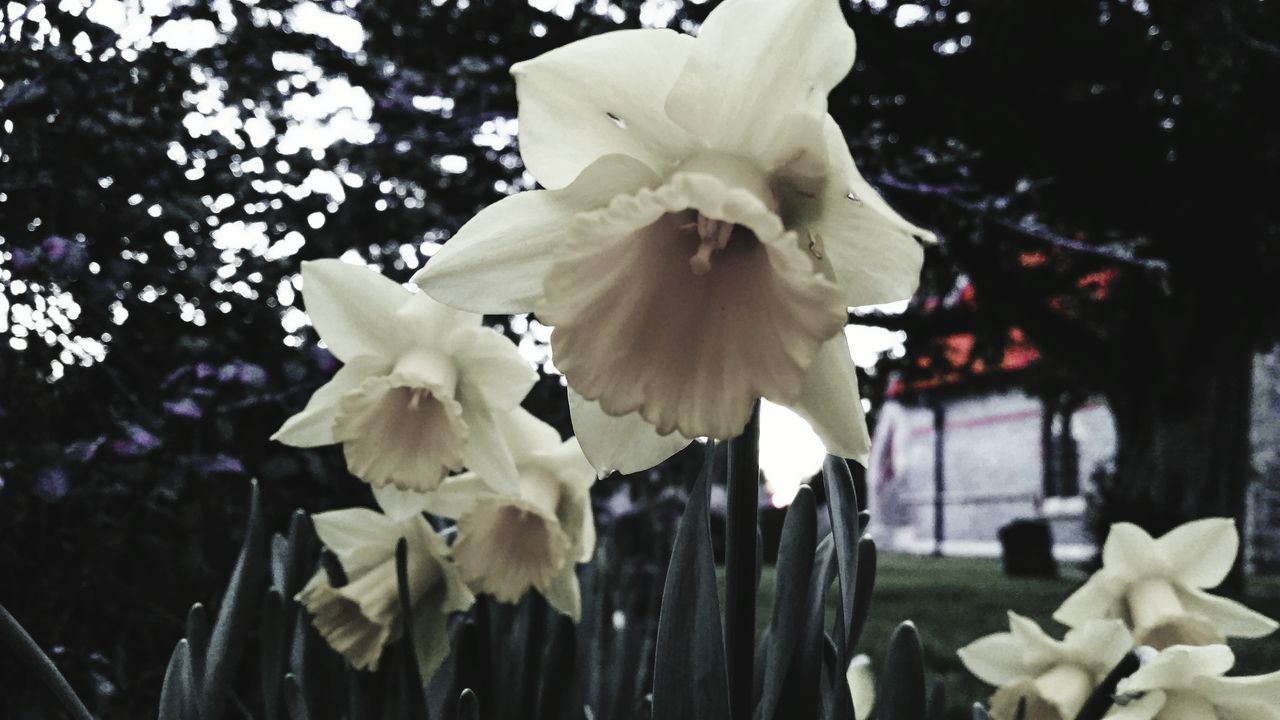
(1187, 683)
(360, 618)
(1054, 677)
(703, 232)
(508, 544)
(862, 686)
(1158, 586)
(420, 386)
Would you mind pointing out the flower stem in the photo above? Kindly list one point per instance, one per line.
(740, 565)
(30, 654)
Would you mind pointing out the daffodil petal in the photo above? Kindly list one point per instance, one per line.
(359, 537)
(527, 435)
(564, 594)
(493, 371)
(1177, 667)
(875, 253)
(755, 62)
(486, 453)
(1244, 698)
(1130, 552)
(430, 638)
(1201, 552)
(862, 686)
(627, 444)
(313, 426)
(351, 307)
(1226, 615)
(997, 659)
(599, 96)
(1037, 646)
(1098, 644)
(1098, 598)
(829, 401)
(496, 262)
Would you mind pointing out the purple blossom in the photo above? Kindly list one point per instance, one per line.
(52, 484)
(224, 464)
(136, 443)
(85, 450)
(186, 407)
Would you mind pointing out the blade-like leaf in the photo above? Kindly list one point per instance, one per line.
(29, 653)
(198, 641)
(272, 636)
(232, 627)
(468, 706)
(796, 549)
(689, 679)
(863, 586)
(901, 693)
(179, 695)
(937, 700)
(295, 702)
(801, 696)
(842, 506)
(837, 702)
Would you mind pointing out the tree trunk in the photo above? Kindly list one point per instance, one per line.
(1182, 415)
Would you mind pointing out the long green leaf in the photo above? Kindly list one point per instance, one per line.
(238, 603)
(796, 549)
(179, 694)
(842, 506)
(901, 694)
(689, 679)
(30, 654)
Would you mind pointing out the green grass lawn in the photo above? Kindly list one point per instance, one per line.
(954, 601)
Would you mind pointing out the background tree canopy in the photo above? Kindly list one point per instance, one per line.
(165, 168)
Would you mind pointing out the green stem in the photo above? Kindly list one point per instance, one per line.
(740, 566)
(30, 654)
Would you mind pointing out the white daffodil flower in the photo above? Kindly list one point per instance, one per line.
(702, 234)
(420, 386)
(1187, 683)
(360, 618)
(1157, 586)
(862, 686)
(508, 544)
(1054, 677)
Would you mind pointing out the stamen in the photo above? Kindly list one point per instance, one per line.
(713, 235)
(415, 399)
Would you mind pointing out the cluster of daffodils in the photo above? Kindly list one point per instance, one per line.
(701, 234)
(1150, 594)
(427, 409)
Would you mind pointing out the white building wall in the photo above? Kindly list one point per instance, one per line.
(993, 472)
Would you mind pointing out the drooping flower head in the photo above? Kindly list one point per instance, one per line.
(1158, 586)
(510, 543)
(703, 232)
(1053, 677)
(420, 386)
(1187, 683)
(361, 617)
